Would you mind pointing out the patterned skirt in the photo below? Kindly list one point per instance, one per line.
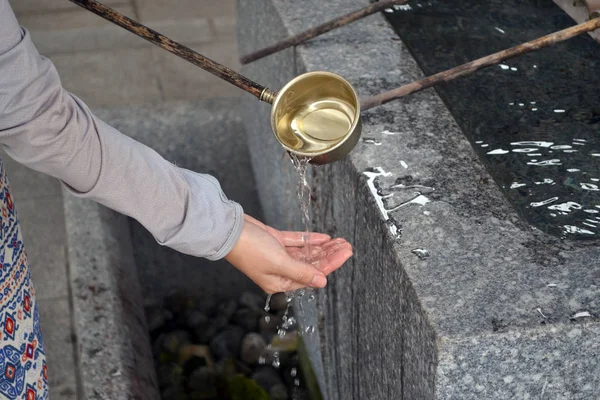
(23, 371)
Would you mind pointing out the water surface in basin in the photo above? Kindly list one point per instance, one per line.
(534, 120)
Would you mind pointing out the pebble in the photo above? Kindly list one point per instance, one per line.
(173, 341)
(174, 393)
(247, 319)
(267, 377)
(279, 392)
(270, 326)
(279, 302)
(169, 375)
(253, 346)
(225, 309)
(203, 380)
(226, 344)
(156, 317)
(252, 301)
(195, 319)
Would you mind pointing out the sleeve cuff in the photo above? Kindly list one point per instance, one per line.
(233, 237)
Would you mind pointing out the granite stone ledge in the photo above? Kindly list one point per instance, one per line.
(115, 360)
(489, 290)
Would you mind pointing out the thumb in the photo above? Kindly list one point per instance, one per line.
(302, 273)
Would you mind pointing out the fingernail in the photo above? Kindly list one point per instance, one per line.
(319, 281)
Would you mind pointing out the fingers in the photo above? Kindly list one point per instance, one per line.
(332, 258)
(302, 273)
(296, 238)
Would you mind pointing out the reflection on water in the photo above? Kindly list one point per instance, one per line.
(534, 120)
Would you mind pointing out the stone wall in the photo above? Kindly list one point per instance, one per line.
(448, 296)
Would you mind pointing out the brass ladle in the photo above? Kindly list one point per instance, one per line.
(316, 114)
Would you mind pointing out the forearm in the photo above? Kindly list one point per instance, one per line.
(47, 129)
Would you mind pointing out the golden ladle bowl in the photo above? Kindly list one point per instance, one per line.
(317, 115)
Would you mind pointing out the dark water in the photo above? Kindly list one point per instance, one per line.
(535, 119)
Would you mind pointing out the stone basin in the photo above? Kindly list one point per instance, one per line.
(452, 296)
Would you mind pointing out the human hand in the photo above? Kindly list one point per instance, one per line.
(276, 261)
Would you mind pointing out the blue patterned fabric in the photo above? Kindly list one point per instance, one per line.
(23, 370)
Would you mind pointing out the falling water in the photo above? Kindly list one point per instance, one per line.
(303, 191)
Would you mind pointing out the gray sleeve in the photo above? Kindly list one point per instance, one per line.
(50, 130)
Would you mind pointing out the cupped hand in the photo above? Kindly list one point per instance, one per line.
(277, 262)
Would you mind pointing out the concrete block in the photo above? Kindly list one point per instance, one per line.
(70, 18)
(152, 10)
(55, 320)
(112, 37)
(225, 26)
(42, 221)
(110, 78)
(181, 80)
(35, 6)
(26, 183)
(48, 270)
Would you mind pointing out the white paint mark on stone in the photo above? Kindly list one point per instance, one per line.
(499, 30)
(581, 314)
(504, 67)
(517, 185)
(541, 313)
(551, 285)
(404, 164)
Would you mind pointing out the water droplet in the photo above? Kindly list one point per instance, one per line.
(421, 253)
(559, 111)
(293, 372)
(297, 382)
(499, 30)
(371, 141)
(581, 314)
(504, 66)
